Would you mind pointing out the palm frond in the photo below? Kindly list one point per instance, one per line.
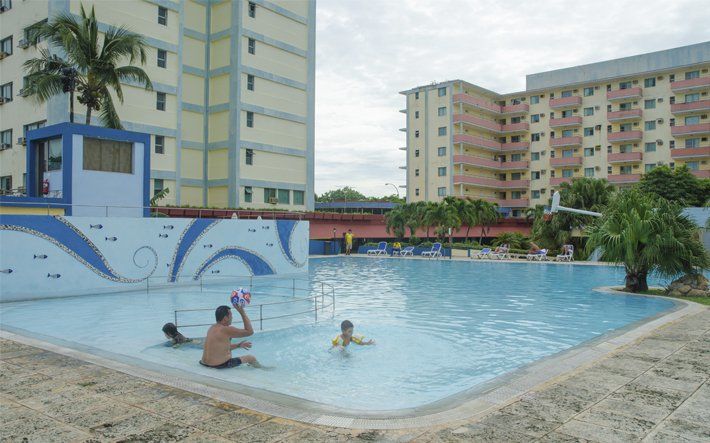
(108, 113)
(134, 74)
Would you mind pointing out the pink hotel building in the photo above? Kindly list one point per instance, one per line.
(615, 119)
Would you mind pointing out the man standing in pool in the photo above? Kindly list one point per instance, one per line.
(218, 346)
(348, 242)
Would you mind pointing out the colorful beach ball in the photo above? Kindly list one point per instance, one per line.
(240, 297)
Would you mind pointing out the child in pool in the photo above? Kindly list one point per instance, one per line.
(342, 340)
(176, 338)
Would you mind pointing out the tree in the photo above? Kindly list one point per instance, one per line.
(159, 196)
(396, 221)
(647, 234)
(515, 240)
(465, 210)
(486, 213)
(414, 217)
(343, 194)
(89, 63)
(678, 185)
(444, 217)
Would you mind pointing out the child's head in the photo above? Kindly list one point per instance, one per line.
(170, 330)
(346, 327)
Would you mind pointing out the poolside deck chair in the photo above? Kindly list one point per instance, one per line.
(500, 255)
(568, 255)
(483, 253)
(381, 249)
(540, 255)
(434, 252)
(406, 252)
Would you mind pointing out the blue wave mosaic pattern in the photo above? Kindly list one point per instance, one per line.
(192, 234)
(256, 264)
(285, 230)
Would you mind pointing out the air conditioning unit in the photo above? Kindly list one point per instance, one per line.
(23, 43)
(596, 88)
(635, 82)
(659, 121)
(597, 168)
(2, 9)
(542, 115)
(543, 172)
(3, 100)
(21, 141)
(24, 92)
(660, 100)
(3, 54)
(659, 142)
(543, 190)
(705, 70)
(660, 77)
(598, 127)
(273, 200)
(596, 108)
(597, 148)
(659, 164)
(636, 166)
(576, 170)
(704, 116)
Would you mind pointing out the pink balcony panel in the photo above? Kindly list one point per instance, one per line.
(701, 174)
(512, 203)
(681, 108)
(515, 146)
(491, 182)
(514, 165)
(477, 161)
(556, 181)
(702, 128)
(566, 121)
(477, 102)
(624, 136)
(566, 141)
(479, 142)
(623, 178)
(621, 94)
(515, 127)
(624, 157)
(690, 152)
(566, 161)
(693, 83)
(514, 184)
(520, 108)
(565, 102)
(616, 116)
(476, 121)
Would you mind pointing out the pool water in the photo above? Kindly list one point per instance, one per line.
(440, 326)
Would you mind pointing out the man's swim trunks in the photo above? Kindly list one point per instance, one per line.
(231, 363)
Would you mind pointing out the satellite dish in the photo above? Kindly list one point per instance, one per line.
(555, 202)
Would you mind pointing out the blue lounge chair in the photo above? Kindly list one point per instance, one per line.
(381, 249)
(567, 255)
(540, 255)
(408, 251)
(483, 253)
(434, 252)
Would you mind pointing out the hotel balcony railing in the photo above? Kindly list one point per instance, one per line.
(700, 129)
(684, 108)
(478, 103)
(515, 146)
(691, 85)
(701, 174)
(566, 161)
(478, 122)
(624, 157)
(566, 141)
(556, 181)
(520, 108)
(565, 121)
(490, 163)
(491, 182)
(512, 203)
(624, 94)
(691, 152)
(631, 114)
(624, 136)
(565, 102)
(623, 178)
(515, 127)
(478, 142)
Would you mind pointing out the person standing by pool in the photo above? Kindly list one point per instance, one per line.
(218, 346)
(348, 242)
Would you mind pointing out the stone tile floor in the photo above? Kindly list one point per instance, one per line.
(654, 390)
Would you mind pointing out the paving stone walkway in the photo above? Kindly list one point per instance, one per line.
(655, 390)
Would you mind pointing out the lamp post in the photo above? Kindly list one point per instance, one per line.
(395, 187)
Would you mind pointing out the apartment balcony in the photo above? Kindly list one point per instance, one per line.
(478, 103)
(566, 141)
(624, 94)
(700, 129)
(565, 121)
(515, 127)
(512, 203)
(556, 181)
(618, 179)
(477, 142)
(565, 102)
(491, 182)
(489, 163)
(520, 108)
(513, 166)
(624, 136)
(691, 152)
(685, 108)
(477, 122)
(701, 174)
(618, 116)
(694, 84)
(624, 157)
(515, 146)
(565, 161)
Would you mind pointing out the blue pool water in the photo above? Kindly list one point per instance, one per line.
(441, 327)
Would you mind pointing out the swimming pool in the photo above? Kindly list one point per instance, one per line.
(441, 327)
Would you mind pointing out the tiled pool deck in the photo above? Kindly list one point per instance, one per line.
(654, 389)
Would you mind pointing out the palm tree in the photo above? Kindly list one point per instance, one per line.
(90, 63)
(444, 216)
(396, 221)
(465, 211)
(486, 213)
(414, 214)
(647, 234)
(428, 216)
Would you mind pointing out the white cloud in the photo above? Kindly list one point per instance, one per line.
(368, 51)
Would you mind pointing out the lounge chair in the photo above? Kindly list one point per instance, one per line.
(408, 251)
(434, 252)
(483, 253)
(540, 255)
(501, 254)
(567, 256)
(381, 249)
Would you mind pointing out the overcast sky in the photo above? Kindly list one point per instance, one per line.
(368, 51)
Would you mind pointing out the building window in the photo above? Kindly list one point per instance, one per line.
(535, 118)
(589, 152)
(671, 144)
(649, 82)
(534, 156)
(6, 183)
(441, 151)
(270, 195)
(516, 119)
(692, 142)
(672, 100)
(567, 93)
(416, 97)
(416, 133)
(298, 198)
(250, 82)
(535, 175)
(534, 99)
(625, 85)
(158, 186)
(589, 172)
(248, 194)
(249, 157)
(693, 166)
(588, 91)
(160, 101)
(625, 106)
(535, 194)
(649, 104)
(6, 139)
(416, 114)
(649, 125)
(671, 122)
(6, 46)
(284, 197)
(5, 5)
(442, 171)
(442, 130)
(441, 192)
(570, 133)
(690, 98)
(692, 120)
(588, 131)
(691, 75)
(535, 137)
(250, 119)
(416, 172)
(252, 46)
(648, 167)
(515, 195)
(162, 16)
(53, 155)
(6, 92)
(252, 10)
(626, 148)
(416, 152)
(442, 92)
(609, 170)
(442, 111)
(588, 112)
(567, 173)
(162, 58)
(567, 153)
(416, 192)
(516, 157)
(107, 155)
(159, 144)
